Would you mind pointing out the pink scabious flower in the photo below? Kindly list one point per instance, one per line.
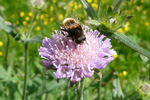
(76, 61)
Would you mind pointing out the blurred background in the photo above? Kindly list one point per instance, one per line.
(130, 65)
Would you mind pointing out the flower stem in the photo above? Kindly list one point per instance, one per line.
(99, 90)
(25, 74)
(41, 24)
(7, 48)
(56, 16)
(99, 6)
(99, 86)
(80, 90)
(32, 24)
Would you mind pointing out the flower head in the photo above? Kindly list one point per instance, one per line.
(37, 3)
(76, 61)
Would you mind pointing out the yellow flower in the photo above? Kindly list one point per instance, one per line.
(1, 53)
(80, 5)
(147, 24)
(27, 18)
(142, 1)
(94, 5)
(120, 74)
(46, 15)
(95, 1)
(124, 73)
(13, 16)
(144, 12)
(1, 43)
(38, 28)
(75, 3)
(24, 22)
(71, 4)
(103, 2)
(126, 28)
(116, 56)
(42, 16)
(121, 30)
(76, 7)
(37, 17)
(22, 14)
(90, 1)
(60, 17)
(45, 23)
(30, 14)
(51, 8)
(17, 22)
(52, 28)
(51, 19)
(54, 1)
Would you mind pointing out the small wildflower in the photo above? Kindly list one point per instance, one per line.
(71, 4)
(124, 73)
(17, 22)
(60, 17)
(90, 1)
(27, 18)
(147, 24)
(54, 1)
(37, 17)
(24, 22)
(45, 23)
(38, 28)
(13, 16)
(52, 28)
(120, 74)
(22, 14)
(126, 28)
(51, 19)
(80, 5)
(1, 53)
(30, 14)
(1, 43)
(42, 16)
(116, 56)
(121, 30)
(51, 8)
(76, 61)
(76, 7)
(144, 12)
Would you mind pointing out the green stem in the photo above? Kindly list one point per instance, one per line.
(41, 24)
(99, 86)
(99, 6)
(55, 12)
(25, 72)
(7, 48)
(32, 24)
(99, 90)
(80, 90)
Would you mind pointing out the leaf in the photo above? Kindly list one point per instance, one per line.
(5, 25)
(124, 39)
(117, 5)
(93, 22)
(35, 39)
(8, 27)
(117, 91)
(90, 11)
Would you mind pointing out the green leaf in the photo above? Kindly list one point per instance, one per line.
(117, 5)
(90, 11)
(117, 91)
(5, 25)
(8, 27)
(93, 22)
(124, 39)
(35, 39)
